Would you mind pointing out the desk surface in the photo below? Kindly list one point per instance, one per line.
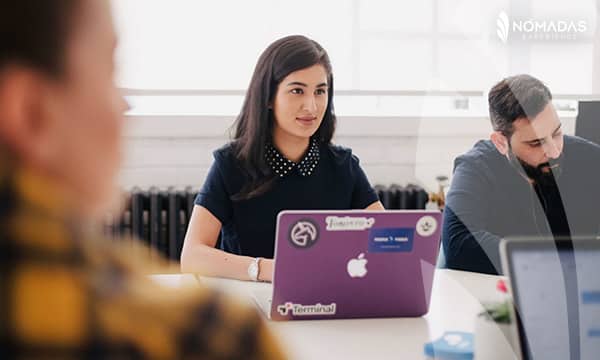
(456, 300)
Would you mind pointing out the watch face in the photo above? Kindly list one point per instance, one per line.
(253, 270)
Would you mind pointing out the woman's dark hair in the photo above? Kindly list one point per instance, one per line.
(35, 33)
(254, 125)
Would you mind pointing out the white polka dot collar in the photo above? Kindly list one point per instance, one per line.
(283, 166)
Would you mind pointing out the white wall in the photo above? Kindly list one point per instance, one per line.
(176, 151)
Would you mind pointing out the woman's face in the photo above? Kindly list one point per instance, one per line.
(300, 103)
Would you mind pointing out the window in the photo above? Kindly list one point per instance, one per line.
(374, 44)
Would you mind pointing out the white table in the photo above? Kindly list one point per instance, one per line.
(456, 300)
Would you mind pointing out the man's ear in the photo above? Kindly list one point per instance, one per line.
(20, 108)
(500, 141)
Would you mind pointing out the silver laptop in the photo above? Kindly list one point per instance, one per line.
(556, 290)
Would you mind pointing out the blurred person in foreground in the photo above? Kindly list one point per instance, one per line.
(63, 293)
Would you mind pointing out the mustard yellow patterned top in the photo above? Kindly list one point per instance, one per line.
(65, 294)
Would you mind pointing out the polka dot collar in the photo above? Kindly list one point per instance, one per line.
(283, 166)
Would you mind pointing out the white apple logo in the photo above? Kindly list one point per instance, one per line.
(357, 267)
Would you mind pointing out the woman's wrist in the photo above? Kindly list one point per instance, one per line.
(265, 272)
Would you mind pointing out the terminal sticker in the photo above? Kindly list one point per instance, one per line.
(306, 310)
(391, 239)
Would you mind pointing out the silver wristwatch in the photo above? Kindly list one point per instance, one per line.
(253, 269)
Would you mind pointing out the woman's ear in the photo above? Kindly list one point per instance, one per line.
(500, 141)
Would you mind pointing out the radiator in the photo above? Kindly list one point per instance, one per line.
(160, 217)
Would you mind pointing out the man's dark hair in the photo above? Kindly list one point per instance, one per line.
(516, 97)
(34, 33)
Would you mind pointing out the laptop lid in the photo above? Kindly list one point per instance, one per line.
(556, 290)
(352, 264)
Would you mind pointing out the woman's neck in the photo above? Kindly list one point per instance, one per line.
(292, 147)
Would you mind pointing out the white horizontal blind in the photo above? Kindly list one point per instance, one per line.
(373, 44)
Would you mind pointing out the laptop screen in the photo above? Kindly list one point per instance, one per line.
(557, 299)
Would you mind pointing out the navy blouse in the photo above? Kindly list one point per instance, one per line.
(335, 182)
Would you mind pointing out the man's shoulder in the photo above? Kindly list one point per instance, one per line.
(482, 154)
(581, 159)
(581, 147)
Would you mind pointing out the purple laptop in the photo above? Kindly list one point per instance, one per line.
(354, 264)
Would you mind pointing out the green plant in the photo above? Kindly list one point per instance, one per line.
(497, 312)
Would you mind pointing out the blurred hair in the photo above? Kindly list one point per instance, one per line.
(34, 33)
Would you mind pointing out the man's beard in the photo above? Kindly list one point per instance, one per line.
(543, 174)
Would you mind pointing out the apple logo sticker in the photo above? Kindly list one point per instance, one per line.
(357, 268)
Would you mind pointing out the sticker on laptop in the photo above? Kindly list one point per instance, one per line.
(426, 226)
(348, 223)
(304, 234)
(391, 240)
(290, 308)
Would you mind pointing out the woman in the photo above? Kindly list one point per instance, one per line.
(281, 158)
